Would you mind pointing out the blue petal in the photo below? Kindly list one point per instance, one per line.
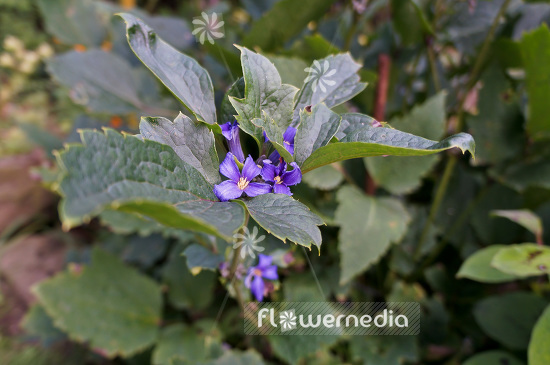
(250, 169)
(229, 168)
(268, 171)
(270, 273)
(227, 190)
(254, 189)
(257, 288)
(292, 177)
(227, 130)
(281, 189)
(289, 134)
(264, 261)
(235, 147)
(275, 156)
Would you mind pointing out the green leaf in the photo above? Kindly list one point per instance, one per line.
(182, 343)
(249, 357)
(316, 129)
(539, 352)
(127, 223)
(324, 178)
(108, 305)
(495, 229)
(523, 260)
(537, 74)
(112, 171)
(286, 19)
(523, 217)
(498, 126)
(494, 314)
(102, 81)
(199, 257)
(74, 21)
(38, 324)
(181, 74)
(383, 220)
(332, 80)
(407, 21)
(372, 141)
(384, 350)
(291, 69)
(478, 267)
(493, 357)
(294, 348)
(284, 217)
(192, 141)
(267, 103)
(228, 113)
(185, 290)
(525, 174)
(401, 175)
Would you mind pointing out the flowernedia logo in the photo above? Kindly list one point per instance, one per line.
(332, 318)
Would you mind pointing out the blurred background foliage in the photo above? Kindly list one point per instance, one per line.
(434, 67)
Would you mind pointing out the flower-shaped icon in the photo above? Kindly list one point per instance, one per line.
(320, 74)
(249, 242)
(287, 319)
(208, 26)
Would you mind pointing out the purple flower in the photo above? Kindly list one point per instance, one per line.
(230, 131)
(239, 183)
(280, 178)
(256, 275)
(288, 139)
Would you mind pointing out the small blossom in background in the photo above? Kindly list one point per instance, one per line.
(280, 178)
(288, 139)
(256, 275)
(240, 182)
(230, 131)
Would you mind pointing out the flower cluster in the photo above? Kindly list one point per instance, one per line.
(256, 275)
(256, 177)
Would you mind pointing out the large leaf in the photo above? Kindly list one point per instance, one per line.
(478, 267)
(384, 350)
(404, 174)
(524, 218)
(285, 217)
(316, 129)
(523, 260)
(372, 141)
(102, 81)
(493, 314)
(192, 141)
(181, 74)
(539, 351)
(537, 73)
(108, 305)
(498, 126)
(286, 19)
(294, 349)
(493, 357)
(267, 103)
(74, 21)
(112, 171)
(185, 290)
(332, 80)
(368, 226)
(182, 343)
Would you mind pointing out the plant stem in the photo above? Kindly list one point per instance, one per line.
(433, 66)
(472, 80)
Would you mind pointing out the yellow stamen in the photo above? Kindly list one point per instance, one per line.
(243, 183)
(257, 272)
(287, 142)
(278, 180)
